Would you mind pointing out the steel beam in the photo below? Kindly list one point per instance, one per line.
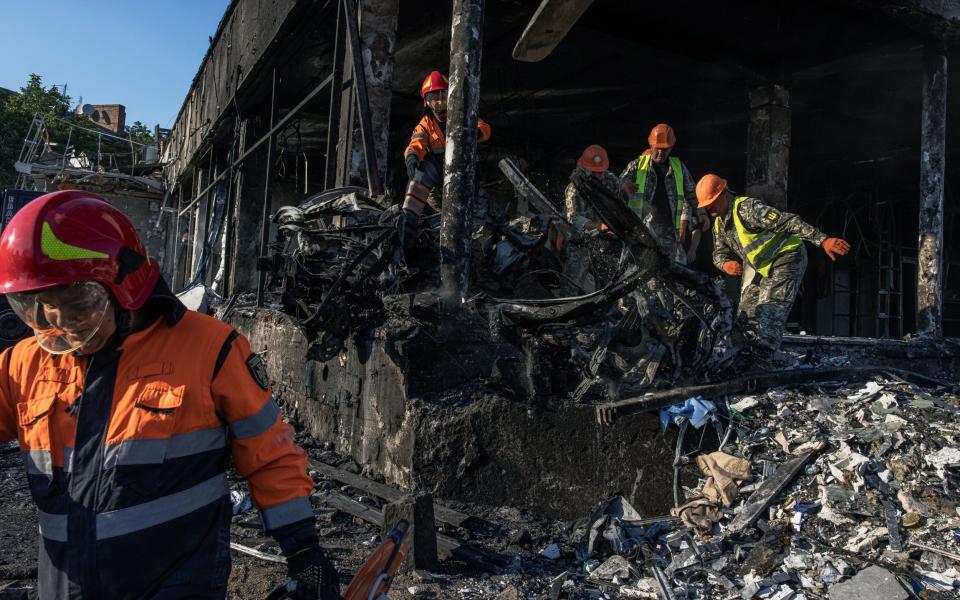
(265, 214)
(363, 102)
(336, 98)
(281, 124)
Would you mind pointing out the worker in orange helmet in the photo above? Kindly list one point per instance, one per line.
(661, 192)
(764, 245)
(577, 263)
(128, 409)
(423, 156)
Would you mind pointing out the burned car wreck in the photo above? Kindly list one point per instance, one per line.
(653, 323)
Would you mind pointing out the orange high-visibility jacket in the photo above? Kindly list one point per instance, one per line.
(428, 137)
(126, 453)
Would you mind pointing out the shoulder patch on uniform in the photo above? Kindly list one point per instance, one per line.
(258, 370)
(770, 214)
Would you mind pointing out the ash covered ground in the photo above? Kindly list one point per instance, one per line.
(827, 490)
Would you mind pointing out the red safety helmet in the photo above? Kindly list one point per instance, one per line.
(70, 236)
(434, 81)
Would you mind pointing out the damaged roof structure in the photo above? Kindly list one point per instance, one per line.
(91, 152)
(476, 373)
(802, 90)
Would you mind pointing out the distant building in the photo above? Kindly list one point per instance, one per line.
(122, 172)
(112, 117)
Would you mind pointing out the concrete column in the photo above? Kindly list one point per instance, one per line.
(933, 136)
(460, 161)
(768, 144)
(185, 241)
(199, 223)
(168, 223)
(378, 36)
(362, 98)
(175, 230)
(376, 29)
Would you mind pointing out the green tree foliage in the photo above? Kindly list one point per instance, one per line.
(17, 112)
(11, 136)
(139, 133)
(34, 98)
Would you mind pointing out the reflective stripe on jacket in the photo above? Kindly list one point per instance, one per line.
(638, 198)
(428, 137)
(760, 248)
(126, 453)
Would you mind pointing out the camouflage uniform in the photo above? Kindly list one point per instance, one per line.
(664, 226)
(577, 264)
(765, 301)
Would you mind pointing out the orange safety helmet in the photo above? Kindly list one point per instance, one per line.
(594, 159)
(709, 189)
(72, 236)
(434, 81)
(662, 136)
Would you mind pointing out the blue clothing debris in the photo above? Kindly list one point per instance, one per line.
(696, 410)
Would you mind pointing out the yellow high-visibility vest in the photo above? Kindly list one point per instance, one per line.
(761, 248)
(643, 167)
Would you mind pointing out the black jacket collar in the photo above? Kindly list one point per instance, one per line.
(161, 303)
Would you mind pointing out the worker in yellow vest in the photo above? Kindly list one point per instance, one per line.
(768, 244)
(661, 192)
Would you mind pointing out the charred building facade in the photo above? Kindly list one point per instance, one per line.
(833, 110)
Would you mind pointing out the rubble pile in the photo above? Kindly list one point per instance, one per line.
(833, 490)
(810, 491)
(337, 265)
(324, 265)
(819, 490)
(830, 491)
(337, 256)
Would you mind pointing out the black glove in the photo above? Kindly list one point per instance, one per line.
(312, 576)
(407, 231)
(412, 163)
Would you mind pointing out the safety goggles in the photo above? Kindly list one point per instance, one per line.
(435, 95)
(64, 319)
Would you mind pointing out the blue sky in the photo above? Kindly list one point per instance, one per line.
(139, 53)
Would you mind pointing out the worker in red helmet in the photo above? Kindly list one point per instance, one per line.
(662, 193)
(764, 246)
(128, 409)
(423, 156)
